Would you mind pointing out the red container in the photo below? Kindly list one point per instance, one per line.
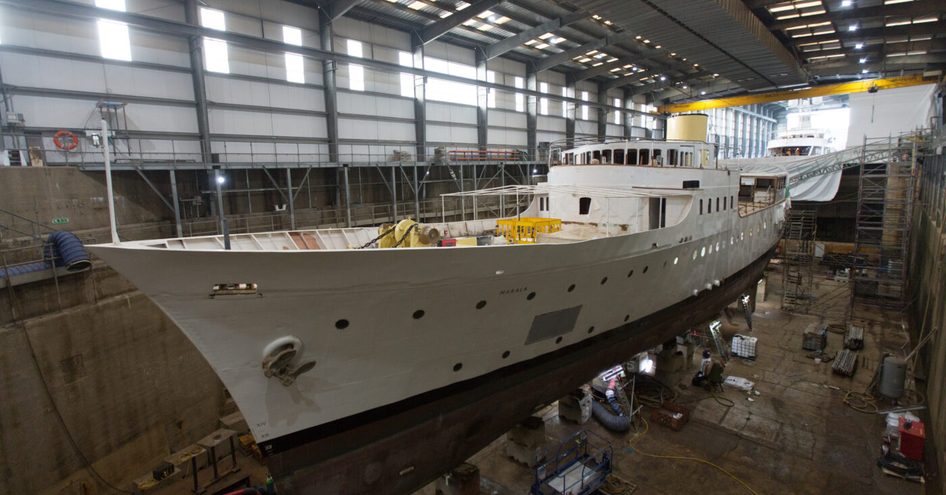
(447, 242)
(912, 439)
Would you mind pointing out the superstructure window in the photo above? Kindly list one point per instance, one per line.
(113, 35)
(606, 156)
(672, 157)
(701, 206)
(717, 204)
(295, 71)
(632, 157)
(658, 159)
(645, 157)
(584, 206)
(619, 156)
(215, 51)
(709, 206)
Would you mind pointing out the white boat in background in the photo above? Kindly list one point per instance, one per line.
(310, 328)
(800, 142)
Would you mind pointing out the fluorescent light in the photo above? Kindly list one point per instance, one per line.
(416, 5)
(852, 27)
(863, 60)
(846, 3)
(546, 36)
(542, 45)
(858, 46)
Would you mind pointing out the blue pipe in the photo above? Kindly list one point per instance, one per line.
(65, 249)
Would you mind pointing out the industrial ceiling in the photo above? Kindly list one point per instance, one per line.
(681, 49)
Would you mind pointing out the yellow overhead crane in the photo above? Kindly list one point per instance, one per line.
(810, 92)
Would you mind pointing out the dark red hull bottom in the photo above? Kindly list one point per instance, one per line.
(399, 448)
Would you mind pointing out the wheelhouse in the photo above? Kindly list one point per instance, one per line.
(687, 154)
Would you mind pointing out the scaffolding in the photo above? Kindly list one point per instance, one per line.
(882, 227)
(798, 260)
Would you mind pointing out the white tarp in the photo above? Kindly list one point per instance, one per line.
(810, 178)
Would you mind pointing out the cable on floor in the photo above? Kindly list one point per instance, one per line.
(632, 448)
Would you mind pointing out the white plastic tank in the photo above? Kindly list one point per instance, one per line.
(893, 374)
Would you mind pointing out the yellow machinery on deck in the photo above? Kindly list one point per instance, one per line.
(524, 230)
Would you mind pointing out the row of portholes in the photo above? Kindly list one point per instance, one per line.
(418, 314)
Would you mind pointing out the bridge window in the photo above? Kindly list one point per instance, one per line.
(645, 157)
(618, 157)
(584, 206)
(672, 157)
(658, 159)
(717, 203)
(632, 157)
(596, 156)
(709, 206)
(606, 156)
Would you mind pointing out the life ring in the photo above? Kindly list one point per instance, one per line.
(71, 145)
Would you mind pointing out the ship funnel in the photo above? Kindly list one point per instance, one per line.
(687, 127)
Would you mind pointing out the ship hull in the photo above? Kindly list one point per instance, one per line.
(402, 446)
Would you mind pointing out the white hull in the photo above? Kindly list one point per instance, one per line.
(385, 355)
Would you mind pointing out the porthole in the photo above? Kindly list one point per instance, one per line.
(505, 354)
(558, 340)
(458, 367)
(627, 317)
(591, 329)
(531, 296)
(665, 263)
(630, 274)
(645, 269)
(676, 260)
(732, 240)
(481, 305)
(341, 324)
(694, 254)
(604, 280)
(702, 251)
(717, 247)
(571, 287)
(418, 314)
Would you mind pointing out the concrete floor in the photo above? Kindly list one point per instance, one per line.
(796, 437)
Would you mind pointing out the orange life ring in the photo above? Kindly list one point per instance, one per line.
(71, 145)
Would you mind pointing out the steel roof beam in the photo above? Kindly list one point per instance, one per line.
(338, 8)
(441, 27)
(497, 49)
(910, 9)
(872, 33)
(571, 53)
